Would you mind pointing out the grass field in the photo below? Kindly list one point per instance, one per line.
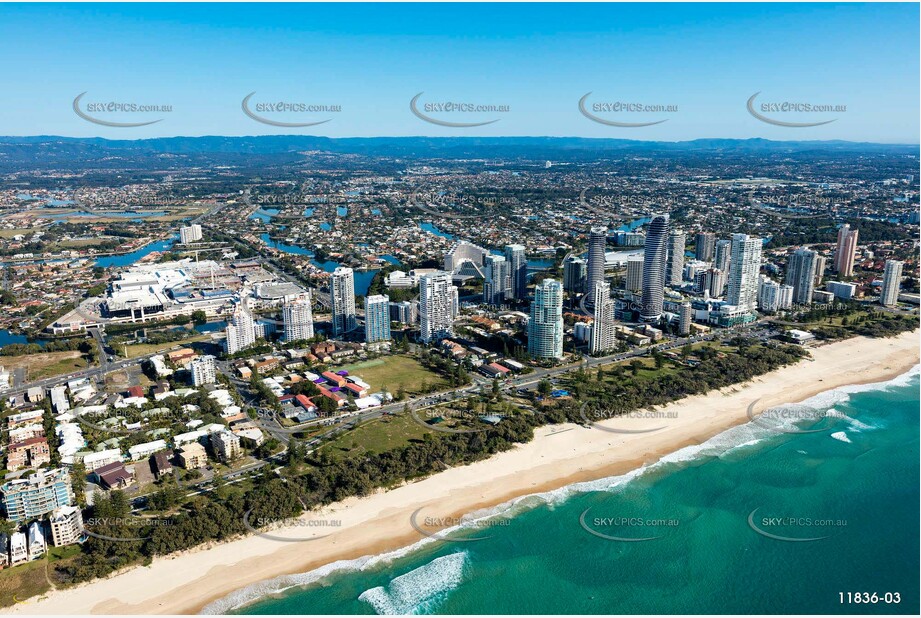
(395, 372)
(376, 436)
(45, 365)
(140, 349)
(15, 232)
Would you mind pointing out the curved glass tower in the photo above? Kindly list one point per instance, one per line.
(655, 257)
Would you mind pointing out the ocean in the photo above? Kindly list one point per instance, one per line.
(755, 520)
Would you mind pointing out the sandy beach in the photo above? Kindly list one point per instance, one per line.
(559, 455)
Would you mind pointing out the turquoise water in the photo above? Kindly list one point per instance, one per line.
(858, 474)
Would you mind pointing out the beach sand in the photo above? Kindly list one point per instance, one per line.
(559, 455)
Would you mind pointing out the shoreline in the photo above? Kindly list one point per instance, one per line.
(558, 456)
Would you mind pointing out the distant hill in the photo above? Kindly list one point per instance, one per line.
(54, 151)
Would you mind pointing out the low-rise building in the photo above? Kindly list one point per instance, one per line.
(37, 544)
(40, 493)
(114, 476)
(66, 526)
(193, 456)
(226, 446)
(30, 453)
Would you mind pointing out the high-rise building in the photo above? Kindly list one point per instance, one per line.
(711, 282)
(892, 279)
(820, 262)
(634, 280)
(684, 319)
(241, 331)
(189, 234)
(845, 251)
(774, 296)
(437, 306)
(545, 327)
(40, 493)
(704, 246)
(597, 239)
(674, 269)
(801, 275)
(517, 259)
(722, 254)
(297, 316)
(461, 252)
(603, 326)
(575, 272)
(405, 312)
(377, 318)
(496, 284)
(655, 255)
(743, 272)
(203, 370)
(342, 298)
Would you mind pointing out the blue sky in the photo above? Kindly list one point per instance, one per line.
(537, 59)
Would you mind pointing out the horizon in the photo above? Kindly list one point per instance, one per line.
(452, 137)
(670, 73)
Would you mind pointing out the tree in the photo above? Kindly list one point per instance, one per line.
(199, 317)
(544, 387)
(635, 366)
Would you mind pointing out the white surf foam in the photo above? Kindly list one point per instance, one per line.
(419, 589)
(737, 437)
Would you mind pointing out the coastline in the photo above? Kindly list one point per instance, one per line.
(558, 456)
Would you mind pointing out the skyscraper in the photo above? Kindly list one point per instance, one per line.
(241, 331)
(575, 272)
(722, 254)
(377, 318)
(342, 298)
(603, 326)
(743, 272)
(545, 328)
(437, 298)
(892, 279)
(704, 246)
(634, 281)
(801, 275)
(844, 253)
(654, 259)
(674, 270)
(297, 316)
(596, 244)
(495, 286)
(517, 259)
